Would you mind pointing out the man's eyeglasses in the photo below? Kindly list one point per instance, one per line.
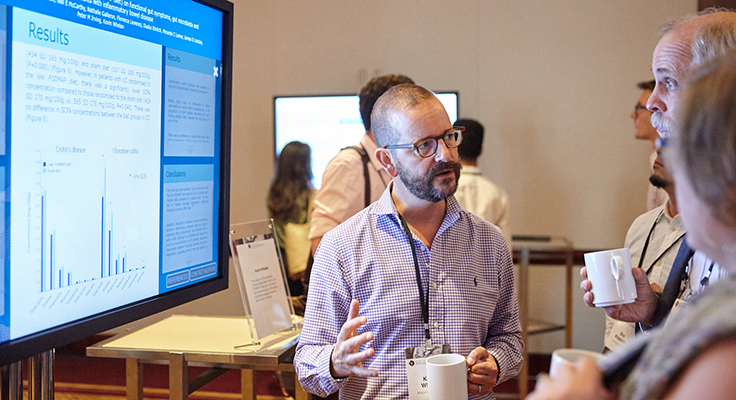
(663, 147)
(638, 107)
(428, 147)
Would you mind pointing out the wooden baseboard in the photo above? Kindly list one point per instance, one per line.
(149, 393)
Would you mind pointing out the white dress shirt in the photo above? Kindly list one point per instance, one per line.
(484, 198)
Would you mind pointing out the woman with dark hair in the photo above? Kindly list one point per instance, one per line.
(290, 204)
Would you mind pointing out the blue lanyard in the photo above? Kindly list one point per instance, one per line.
(706, 278)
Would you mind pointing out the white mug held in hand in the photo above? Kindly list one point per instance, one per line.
(610, 273)
(562, 357)
(447, 377)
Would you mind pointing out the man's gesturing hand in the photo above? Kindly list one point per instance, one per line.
(346, 360)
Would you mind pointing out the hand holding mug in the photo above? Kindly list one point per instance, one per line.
(641, 310)
(482, 371)
(581, 381)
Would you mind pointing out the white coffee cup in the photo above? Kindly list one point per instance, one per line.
(610, 272)
(562, 357)
(447, 377)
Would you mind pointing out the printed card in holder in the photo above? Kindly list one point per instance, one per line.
(416, 369)
(263, 284)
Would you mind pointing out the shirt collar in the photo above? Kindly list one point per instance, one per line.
(674, 222)
(470, 170)
(385, 206)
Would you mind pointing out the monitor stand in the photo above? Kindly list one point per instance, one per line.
(11, 381)
(40, 378)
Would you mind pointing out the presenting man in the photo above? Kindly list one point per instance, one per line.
(413, 270)
(354, 178)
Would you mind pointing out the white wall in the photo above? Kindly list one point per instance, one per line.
(553, 82)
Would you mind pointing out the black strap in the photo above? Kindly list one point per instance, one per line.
(425, 304)
(646, 242)
(366, 160)
(674, 283)
(646, 245)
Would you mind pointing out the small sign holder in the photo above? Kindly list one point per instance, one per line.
(261, 278)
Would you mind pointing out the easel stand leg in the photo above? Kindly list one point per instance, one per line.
(47, 374)
(12, 381)
(41, 376)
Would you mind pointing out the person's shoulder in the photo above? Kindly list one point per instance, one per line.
(352, 227)
(343, 171)
(500, 193)
(639, 228)
(345, 156)
(491, 188)
(714, 365)
(649, 216)
(478, 225)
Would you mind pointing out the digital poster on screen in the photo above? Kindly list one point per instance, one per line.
(111, 155)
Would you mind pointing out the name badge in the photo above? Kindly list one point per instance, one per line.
(416, 369)
(620, 332)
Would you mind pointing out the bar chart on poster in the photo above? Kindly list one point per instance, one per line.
(100, 108)
(56, 271)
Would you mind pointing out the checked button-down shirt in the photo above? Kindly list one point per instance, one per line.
(468, 275)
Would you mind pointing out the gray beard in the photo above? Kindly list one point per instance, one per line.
(421, 186)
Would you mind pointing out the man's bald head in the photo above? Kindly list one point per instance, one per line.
(396, 99)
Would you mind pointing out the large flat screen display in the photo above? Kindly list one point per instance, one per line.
(114, 161)
(327, 124)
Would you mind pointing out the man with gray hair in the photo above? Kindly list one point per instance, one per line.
(684, 45)
(410, 275)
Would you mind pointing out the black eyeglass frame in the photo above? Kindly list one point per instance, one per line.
(415, 146)
(638, 107)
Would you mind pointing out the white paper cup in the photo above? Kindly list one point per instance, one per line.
(447, 377)
(610, 273)
(562, 357)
